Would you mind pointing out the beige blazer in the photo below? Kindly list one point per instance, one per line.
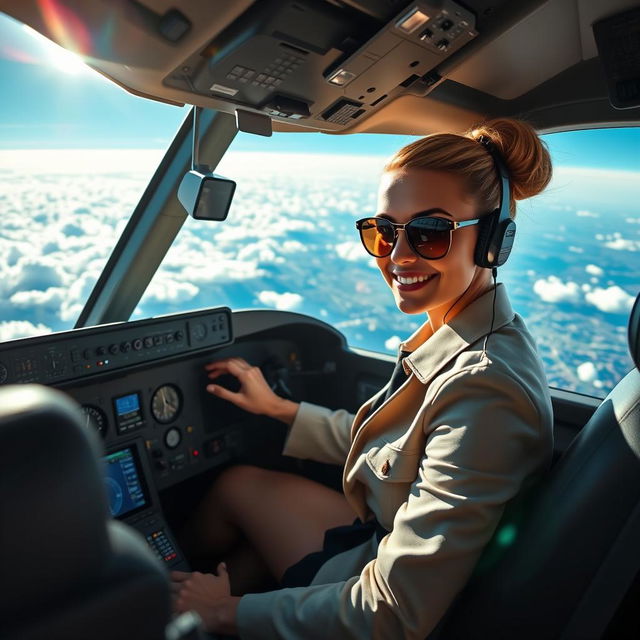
(436, 464)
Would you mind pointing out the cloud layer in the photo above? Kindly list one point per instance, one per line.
(290, 244)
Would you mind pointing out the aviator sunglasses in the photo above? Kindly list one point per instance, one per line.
(429, 237)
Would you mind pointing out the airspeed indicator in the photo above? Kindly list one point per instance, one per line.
(94, 418)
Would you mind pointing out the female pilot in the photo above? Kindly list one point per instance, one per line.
(432, 459)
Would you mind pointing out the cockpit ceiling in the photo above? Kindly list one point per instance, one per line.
(345, 65)
(554, 37)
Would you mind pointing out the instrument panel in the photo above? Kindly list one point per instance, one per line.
(164, 406)
(149, 405)
(145, 382)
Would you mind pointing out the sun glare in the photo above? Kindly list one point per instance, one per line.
(58, 57)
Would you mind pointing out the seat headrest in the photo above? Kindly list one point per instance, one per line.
(634, 333)
(53, 506)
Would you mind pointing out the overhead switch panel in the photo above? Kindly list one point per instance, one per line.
(303, 60)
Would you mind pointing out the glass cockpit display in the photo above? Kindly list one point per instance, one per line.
(128, 412)
(126, 490)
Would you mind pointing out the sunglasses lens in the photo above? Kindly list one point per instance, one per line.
(429, 237)
(377, 236)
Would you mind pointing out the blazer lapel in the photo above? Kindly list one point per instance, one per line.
(430, 354)
(469, 326)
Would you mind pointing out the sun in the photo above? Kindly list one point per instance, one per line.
(58, 57)
(66, 61)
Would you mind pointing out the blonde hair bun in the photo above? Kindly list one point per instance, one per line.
(525, 155)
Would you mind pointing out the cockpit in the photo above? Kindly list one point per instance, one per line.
(194, 198)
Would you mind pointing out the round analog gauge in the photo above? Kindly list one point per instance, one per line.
(166, 403)
(95, 419)
(172, 437)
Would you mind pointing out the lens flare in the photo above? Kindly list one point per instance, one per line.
(65, 27)
(16, 55)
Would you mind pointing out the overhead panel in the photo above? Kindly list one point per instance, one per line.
(302, 61)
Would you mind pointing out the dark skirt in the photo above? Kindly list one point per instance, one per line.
(336, 541)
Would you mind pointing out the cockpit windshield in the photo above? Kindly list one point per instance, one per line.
(76, 153)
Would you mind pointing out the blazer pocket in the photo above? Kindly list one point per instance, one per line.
(394, 465)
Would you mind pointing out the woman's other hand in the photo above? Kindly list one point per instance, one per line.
(209, 596)
(254, 395)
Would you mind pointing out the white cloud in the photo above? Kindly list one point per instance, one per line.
(594, 270)
(623, 244)
(587, 214)
(610, 300)
(293, 246)
(21, 329)
(586, 371)
(220, 271)
(351, 251)
(552, 289)
(282, 301)
(392, 343)
(37, 298)
(264, 252)
(165, 289)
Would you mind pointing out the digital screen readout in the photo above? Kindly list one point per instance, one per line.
(128, 412)
(125, 487)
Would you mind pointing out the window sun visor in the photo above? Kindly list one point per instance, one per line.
(618, 42)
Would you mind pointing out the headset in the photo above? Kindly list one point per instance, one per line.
(497, 230)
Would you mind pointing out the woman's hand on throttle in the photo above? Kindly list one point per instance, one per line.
(254, 395)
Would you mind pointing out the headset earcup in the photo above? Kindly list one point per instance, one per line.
(483, 245)
(495, 240)
(507, 234)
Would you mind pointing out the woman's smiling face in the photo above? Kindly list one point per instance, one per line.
(403, 194)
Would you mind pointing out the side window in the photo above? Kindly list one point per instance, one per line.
(574, 271)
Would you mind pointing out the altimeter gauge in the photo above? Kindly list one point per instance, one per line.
(95, 419)
(166, 403)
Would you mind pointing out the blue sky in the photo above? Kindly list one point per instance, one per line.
(48, 102)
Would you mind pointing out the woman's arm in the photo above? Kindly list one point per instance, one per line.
(316, 433)
(319, 434)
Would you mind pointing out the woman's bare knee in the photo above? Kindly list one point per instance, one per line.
(237, 486)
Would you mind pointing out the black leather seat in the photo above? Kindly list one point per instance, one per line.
(68, 572)
(577, 550)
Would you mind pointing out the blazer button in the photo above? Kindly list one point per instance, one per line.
(385, 468)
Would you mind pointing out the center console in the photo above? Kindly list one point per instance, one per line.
(133, 500)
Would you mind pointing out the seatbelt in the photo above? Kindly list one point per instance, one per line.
(610, 585)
